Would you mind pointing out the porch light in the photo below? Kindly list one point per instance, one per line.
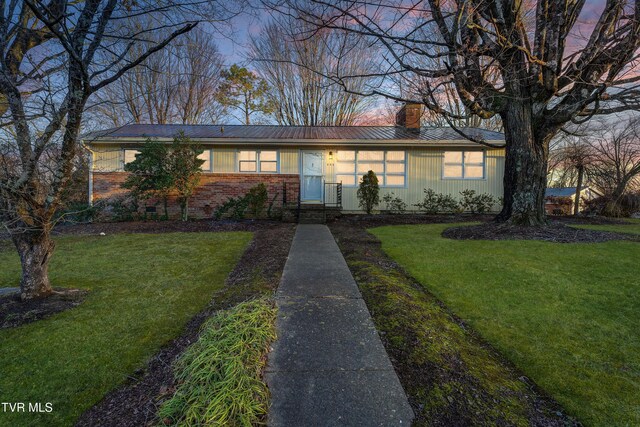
(330, 155)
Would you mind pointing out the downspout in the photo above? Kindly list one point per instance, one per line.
(91, 153)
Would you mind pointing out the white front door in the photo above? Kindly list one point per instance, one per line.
(311, 176)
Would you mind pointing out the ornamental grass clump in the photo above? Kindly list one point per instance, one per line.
(220, 376)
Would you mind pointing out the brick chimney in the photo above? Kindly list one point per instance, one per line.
(409, 116)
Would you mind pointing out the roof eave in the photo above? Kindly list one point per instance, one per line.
(306, 142)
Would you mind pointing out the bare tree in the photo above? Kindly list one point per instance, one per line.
(615, 165)
(549, 74)
(177, 85)
(288, 51)
(51, 62)
(568, 164)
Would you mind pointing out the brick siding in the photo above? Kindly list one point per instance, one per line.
(213, 190)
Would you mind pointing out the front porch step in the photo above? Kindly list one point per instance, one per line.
(312, 216)
(311, 213)
(317, 214)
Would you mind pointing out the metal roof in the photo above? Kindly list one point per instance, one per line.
(560, 192)
(285, 134)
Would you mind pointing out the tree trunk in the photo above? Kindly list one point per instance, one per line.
(184, 209)
(166, 207)
(525, 175)
(613, 208)
(35, 249)
(576, 202)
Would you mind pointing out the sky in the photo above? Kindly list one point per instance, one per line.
(233, 43)
(233, 47)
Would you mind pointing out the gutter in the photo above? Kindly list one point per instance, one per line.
(309, 142)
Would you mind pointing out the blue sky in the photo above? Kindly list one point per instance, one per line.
(232, 46)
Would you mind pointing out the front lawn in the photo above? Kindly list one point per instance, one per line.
(565, 314)
(633, 227)
(143, 290)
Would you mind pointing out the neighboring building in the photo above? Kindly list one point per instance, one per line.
(560, 201)
(308, 162)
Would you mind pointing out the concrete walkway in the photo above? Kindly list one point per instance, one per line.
(328, 366)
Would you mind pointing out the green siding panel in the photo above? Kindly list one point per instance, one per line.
(424, 170)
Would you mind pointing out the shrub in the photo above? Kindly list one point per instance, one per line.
(394, 205)
(257, 199)
(433, 203)
(625, 206)
(254, 201)
(159, 170)
(476, 203)
(448, 204)
(236, 205)
(184, 167)
(81, 212)
(122, 208)
(430, 202)
(369, 192)
(219, 375)
(150, 175)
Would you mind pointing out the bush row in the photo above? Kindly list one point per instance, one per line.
(434, 203)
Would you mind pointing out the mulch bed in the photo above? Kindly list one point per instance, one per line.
(363, 250)
(555, 232)
(136, 402)
(370, 221)
(14, 312)
(592, 220)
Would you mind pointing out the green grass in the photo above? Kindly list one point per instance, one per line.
(143, 290)
(449, 375)
(566, 314)
(220, 375)
(632, 228)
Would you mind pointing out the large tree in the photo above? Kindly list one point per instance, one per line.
(557, 61)
(177, 85)
(52, 59)
(287, 51)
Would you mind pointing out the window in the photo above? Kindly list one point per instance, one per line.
(268, 161)
(389, 166)
(206, 156)
(463, 164)
(258, 161)
(130, 155)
